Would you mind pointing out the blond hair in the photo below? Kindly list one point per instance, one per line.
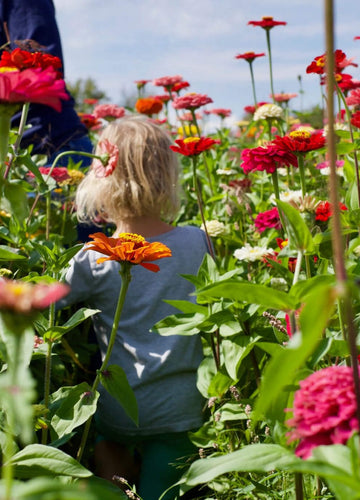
(145, 179)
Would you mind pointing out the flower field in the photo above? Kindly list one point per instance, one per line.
(277, 297)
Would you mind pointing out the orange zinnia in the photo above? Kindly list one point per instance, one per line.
(128, 247)
(149, 105)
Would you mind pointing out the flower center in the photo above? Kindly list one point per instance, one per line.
(8, 69)
(321, 62)
(191, 140)
(267, 18)
(136, 238)
(300, 134)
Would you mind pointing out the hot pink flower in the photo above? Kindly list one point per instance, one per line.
(268, 219)
(267, 158)
(110, 154)
(33, 85)
(108, 111)
(24, 297)
(167, 81)
(191, 101)
(324, 409)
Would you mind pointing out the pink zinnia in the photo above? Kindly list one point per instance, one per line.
(110, 155)
(267, 158)
(167, 81)
(268, 219)
(107, 111)
(324, 409)
(283, 97)
(191, 101)
(223, 113)
(41, 86)
(354, 98)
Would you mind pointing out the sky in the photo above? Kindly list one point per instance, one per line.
(116, 42)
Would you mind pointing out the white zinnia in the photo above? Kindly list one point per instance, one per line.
(288, 196)
(214, 228)
(251, 254)
(226, 171)
(268, 111)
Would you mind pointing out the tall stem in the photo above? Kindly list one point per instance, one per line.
(337, 240)
(270, 64)
(301, 166)
(275, 182)
(23, 119)
(200, 204)
(47, 375)
(253, 83)
(125, 273)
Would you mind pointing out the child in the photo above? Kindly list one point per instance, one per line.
(141, 196)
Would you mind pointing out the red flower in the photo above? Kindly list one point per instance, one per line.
(300, 141)
(267, 22)
(354, 98)
(33, 85)
(90, 100)
(318, 65)
(148, 105)
(90, 121)
(223, 113)
(355, 119)
(249, 56)
(141, 83)
(324, 210)
(191, 101)
(179, 86)
(268, 219)
(252, 109)
(110, 155)
(267, 158)
(193, 146)
(22, 59)
(59, 174)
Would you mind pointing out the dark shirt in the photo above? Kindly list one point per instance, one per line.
(35, 20)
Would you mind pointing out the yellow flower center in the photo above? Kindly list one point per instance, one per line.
(8, 69)
(267, 18)
(191, 139)
(321, 62)
(300, 134)
(136, 238)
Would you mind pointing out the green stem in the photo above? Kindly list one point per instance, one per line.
(5, 119)
(270, 64)
(125, 272)
(23, 119)
(47, 374)
(275, 182)
(253, 82)
(301, 166)
(48, 213)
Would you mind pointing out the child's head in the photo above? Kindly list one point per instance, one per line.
(145, 180)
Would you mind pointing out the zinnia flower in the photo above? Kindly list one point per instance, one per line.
(267, 22)
(148, 105)
(214, 228)
(110, 156)
(89, 120)
(167, 81)
(141, 83)
(128, 247)
(300, 141)
(108, 111)
(318, 65)
(191, 101)
(283, 97)
(25, 297)
(324, 210)
(74, 178)
(268, 111)
(179, 86)
(267, 158)
(355, 119)
(192, 146)
(251, 254)
(354, 98)
(59, 174)
(91, 101)
(32, 85)
(22, 59)
(223, 113)
(268, 219)
(249, 56)
(324, 410)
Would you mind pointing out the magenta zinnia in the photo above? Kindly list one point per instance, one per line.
(268, 219)
(267, 158)
(324, 410)
(300, 141)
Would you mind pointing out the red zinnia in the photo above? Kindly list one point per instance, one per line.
(179, 86)
(249, 56)
(267, 22)
(191, 101)
(59, 174)
(149, 105)
(90, 121)
(318, 65)
(193, 146)
(267, 158)
(324, 210)
(355, 119)
(300, 141)
(22, 59)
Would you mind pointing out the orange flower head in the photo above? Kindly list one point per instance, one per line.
(128, 247)
(149, 105)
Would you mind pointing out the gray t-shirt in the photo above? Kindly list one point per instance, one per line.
(161, 370)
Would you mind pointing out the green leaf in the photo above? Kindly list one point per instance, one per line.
(8, 253)
(16, 196)
(283, 366)
(299, 234)
(186, 306)
(74, 406)
(56, 332)
(115, 382)
(235, 350)
(67, 255)
(40, 460)
(179, 324)
(249, 293)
